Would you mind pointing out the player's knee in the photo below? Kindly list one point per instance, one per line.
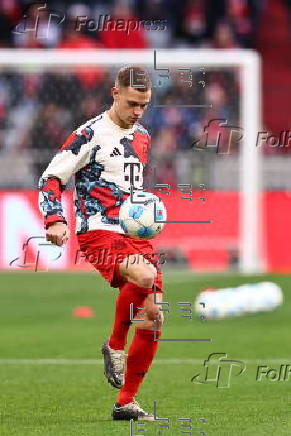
(160, 321)
(155, 316)
(147, 278)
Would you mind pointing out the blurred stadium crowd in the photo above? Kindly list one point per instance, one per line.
(220, 23)
(39, 109)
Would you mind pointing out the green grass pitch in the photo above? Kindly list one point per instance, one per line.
(51, 386)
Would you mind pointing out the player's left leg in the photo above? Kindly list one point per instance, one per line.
(138, 278)
(130, 298)
(140, 356)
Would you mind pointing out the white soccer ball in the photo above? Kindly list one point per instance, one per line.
(143, 217)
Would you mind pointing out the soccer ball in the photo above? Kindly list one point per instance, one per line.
(141, 217)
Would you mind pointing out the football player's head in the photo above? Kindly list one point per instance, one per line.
(131, 94)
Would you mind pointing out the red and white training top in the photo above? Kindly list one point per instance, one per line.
(105, 160)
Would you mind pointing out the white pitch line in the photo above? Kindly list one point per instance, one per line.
(277, 361)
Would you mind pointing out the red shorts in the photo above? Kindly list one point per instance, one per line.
(105, 250)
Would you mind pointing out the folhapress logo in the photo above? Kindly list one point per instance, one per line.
(264, 372)
(219, 135)
(219, 370)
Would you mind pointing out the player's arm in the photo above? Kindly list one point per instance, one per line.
(72, 156)
(50, 206)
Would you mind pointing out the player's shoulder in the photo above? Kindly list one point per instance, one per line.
(85, 134)
(91, 126)
(142, 139)
(141, 129)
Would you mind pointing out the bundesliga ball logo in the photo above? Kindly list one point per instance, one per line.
(143, 215)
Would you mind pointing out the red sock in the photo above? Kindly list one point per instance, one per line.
(140, 356)
(129, 293)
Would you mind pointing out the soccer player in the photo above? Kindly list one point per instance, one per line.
(107, 155)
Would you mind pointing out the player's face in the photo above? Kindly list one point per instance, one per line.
(130, 104)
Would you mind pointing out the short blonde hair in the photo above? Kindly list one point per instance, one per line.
(135, 76)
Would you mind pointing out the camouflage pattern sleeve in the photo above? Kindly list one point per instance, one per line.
(50, 201)
(72, 155)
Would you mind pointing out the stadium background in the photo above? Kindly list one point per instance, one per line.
(38, 111)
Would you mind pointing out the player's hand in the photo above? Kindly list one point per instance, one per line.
(58, 233)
